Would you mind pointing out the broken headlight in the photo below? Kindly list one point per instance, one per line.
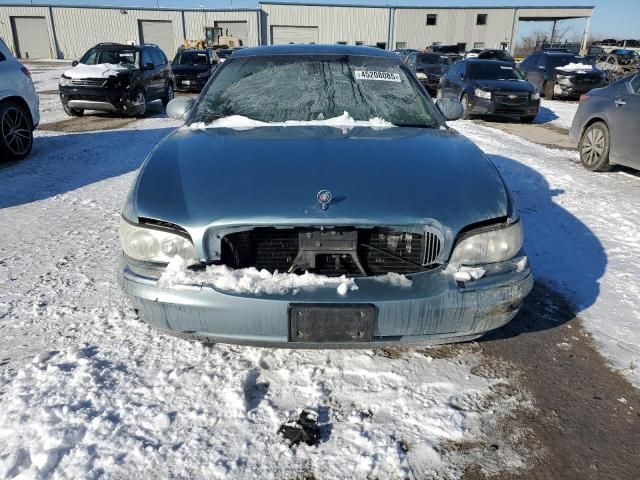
(421, 75)
(482, 94)
(153, 244)
(484, 245)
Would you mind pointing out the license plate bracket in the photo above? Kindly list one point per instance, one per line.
(331, 323)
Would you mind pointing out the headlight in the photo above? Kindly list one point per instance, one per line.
(154, 245)
(535, 96)
(65, 81)
(482, 94)
(203, 75)
(421, 75)
(488, 246)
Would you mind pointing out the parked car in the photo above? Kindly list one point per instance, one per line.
(452, 51)
(561, 75)
(193, 67)
(490, 87)
(605, 126)
(403, 52)
(225, 53)
(356, 197)
(428, 68)
(473, 53)
(496, 54)
(19, 107)
(112, 77)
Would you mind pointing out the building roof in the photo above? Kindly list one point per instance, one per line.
(306, 49)
(428, 7)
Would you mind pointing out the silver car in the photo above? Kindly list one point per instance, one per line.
(606, 124)
(316, 197)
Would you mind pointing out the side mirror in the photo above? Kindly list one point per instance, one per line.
(74, 63)
(179, 108)
(148, 66)
(451, 109)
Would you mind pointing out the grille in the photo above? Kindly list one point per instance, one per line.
(379, 251)
(585, 80)
(518, 98)
(89, 82)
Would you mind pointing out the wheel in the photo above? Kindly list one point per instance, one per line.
(140, 103)
(169, 94)
(16, 133)
(466, 107)
(527, 118)
(73, 112)
(594, 148)
(547, 90)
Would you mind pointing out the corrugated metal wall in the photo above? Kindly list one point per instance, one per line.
(453, 26)
(336, 24)
(23, 11)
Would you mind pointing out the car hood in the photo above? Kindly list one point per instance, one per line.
(200, 178)
(505, 85)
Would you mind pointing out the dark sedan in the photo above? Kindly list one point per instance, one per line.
(496, 54)
(192, 68)
(606, 125)
(561, 74)
(490, 87)
(327, 212)
(428, 68)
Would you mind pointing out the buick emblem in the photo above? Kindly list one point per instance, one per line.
(324, 198)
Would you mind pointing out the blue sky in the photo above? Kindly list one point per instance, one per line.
(611, 18)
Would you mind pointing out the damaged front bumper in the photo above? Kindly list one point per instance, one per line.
(102, 99)
(434, 309)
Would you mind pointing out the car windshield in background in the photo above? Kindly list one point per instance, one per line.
(562, 60)
(303, 88)
(96, 56)
(224, 52)
(493, 71)
(190, 58)
(427, 59)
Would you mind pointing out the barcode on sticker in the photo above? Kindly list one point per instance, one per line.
(373, 75)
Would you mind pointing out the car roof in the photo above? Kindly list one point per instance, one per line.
(119, 46)
(303, 49)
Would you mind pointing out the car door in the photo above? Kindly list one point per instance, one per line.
(149, 81)
(624, 121)
(537, 70)
(446, 81)
(161, 72)
(458, 80)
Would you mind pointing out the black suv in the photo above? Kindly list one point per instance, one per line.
(428, 67)
(193, 67)
(561, 74)
(112, 77)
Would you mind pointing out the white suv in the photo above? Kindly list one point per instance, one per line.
(19, 103)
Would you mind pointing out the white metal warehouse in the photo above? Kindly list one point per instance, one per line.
(53, 31)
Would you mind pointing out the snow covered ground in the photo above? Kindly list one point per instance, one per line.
(557, 112)
(582, 235)
(88, 391)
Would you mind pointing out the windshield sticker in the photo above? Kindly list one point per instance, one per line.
(372, 75)
(506, 68)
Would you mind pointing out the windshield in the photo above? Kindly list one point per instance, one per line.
(224, 53)
(433, 60)
(303, 88)
(190, 58)
(96, 56)
(494, 71)
(562, 60)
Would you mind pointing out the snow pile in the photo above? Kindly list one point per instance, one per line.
(394, 279)
(249, 280)
(557, 112)
(101, 70)
(575, 67)
(243, 123)
(464, 274)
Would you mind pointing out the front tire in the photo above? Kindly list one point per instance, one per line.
(594, 148)
(466, 107)
(169, 94)
(16, 132)
(527, 118)
(141, 104)
(73, 112)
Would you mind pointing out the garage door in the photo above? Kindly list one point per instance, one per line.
(280, 35)
(160, 33)
(234, 29)
(31, 37)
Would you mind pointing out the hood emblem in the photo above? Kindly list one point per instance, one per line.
(324, 198)
(513, 97)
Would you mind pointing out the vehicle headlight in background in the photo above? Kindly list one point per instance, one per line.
(482, 94)
(421, 75)
(488, 245)
(535, 96)
(154, 245)
(65, 81)
(203, 75)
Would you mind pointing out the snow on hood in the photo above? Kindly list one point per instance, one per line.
(240, 122)
(574, 67)
(101, 70)
(254, 281)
